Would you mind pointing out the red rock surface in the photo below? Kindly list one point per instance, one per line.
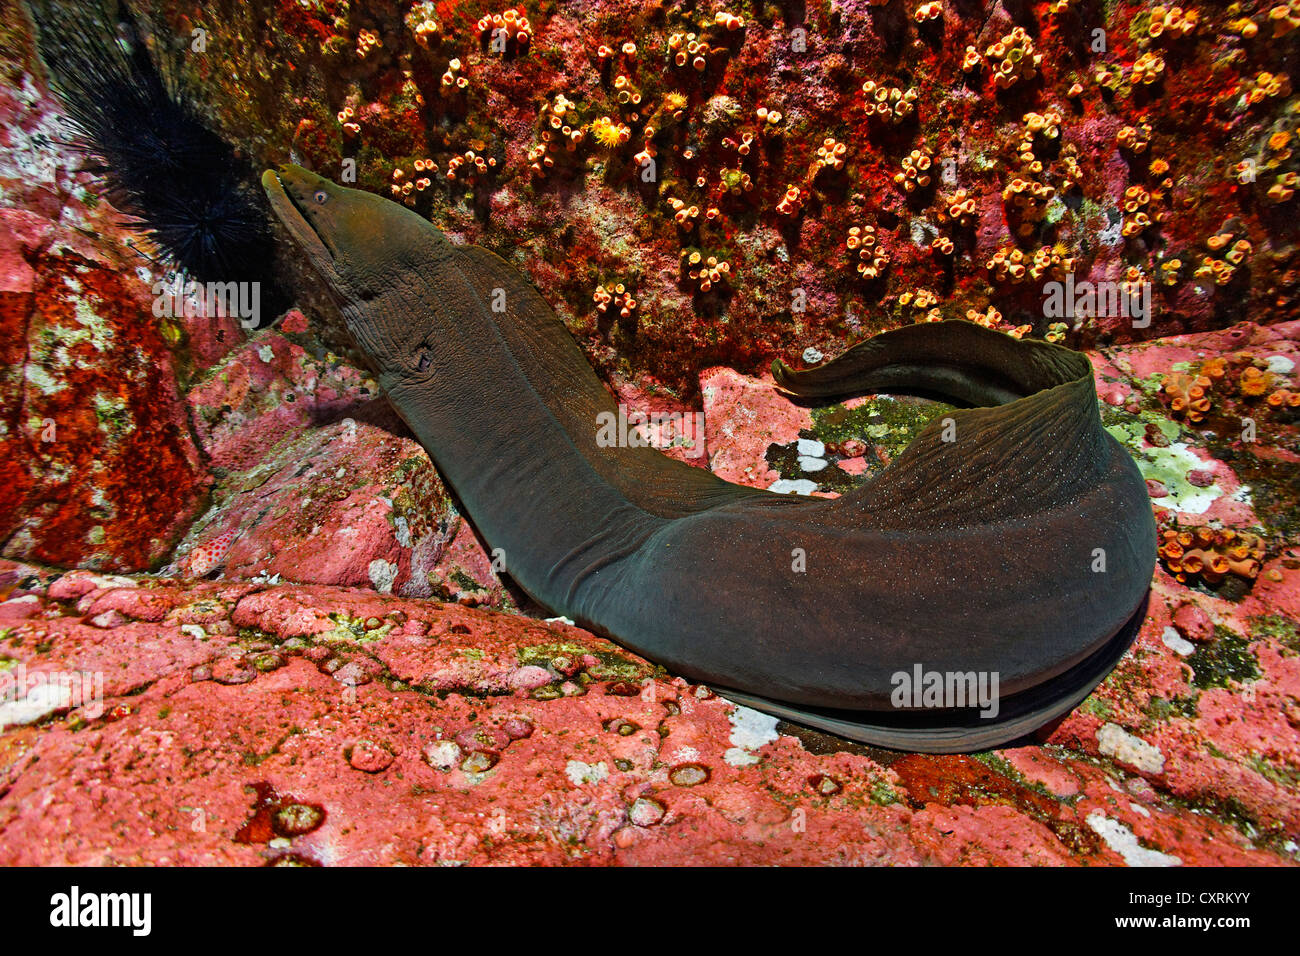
(99, 467)
(256, 724)
(97, 464)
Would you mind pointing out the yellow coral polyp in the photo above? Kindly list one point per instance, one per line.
(1148, 68)
(889, 103)
(1210, 553)
(1254, 382)
(1172, 21)
(927, 12)
(609, 133)
(868, 256)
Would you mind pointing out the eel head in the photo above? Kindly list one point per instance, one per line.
(366, 249)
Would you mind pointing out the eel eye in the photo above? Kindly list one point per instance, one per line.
(320, 197)
(424, 361)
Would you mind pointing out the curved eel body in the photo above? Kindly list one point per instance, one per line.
(1012, 542)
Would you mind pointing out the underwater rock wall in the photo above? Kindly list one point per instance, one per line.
(844, 166)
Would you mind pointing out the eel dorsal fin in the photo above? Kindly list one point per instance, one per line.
(956, 360)
(1038, 446)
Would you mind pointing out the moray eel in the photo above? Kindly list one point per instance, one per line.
(1013, 538)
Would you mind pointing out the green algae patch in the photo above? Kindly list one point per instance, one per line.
(883, 422)
(352, 629)
(883, 794)
(1169, 465)
(1283, 775)
(609, 665)
(891, 423)
(1279, 628)
(1227, 658)
(1161, 709)
(1096, 707)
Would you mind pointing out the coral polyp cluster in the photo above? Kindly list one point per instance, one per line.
(1172, 22)
(889, 103)
(1210, 554)
(704, 273)
(830, 155)
(1013, 59)
(687, 50)
(959, 208)
(422, 21)
(915, 174)
(792, 202)
(1135, 139)
(866, 254)
(685, 216)
(615, 296)
(1015, 265)
(1235, 382)
(924, 304)
(1148, 68)
(452, 77)
(468, 166)
(1227, 254)
(507, 30)
(1186, 395)
(560, 137)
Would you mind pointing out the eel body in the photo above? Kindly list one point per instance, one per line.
(1013, 539)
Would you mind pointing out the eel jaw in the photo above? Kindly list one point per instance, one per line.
(287, 211)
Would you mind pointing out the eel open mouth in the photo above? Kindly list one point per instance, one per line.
(290, 210)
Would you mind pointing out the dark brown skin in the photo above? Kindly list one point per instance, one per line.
(977, 553)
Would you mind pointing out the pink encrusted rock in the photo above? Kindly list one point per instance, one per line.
(73, 585)
(294, 322)
(1145, 359)
(97, 387)
(369, 756)
(672, 426)
(743, 416)
(463, 571)
(252, 730)
(530, 677)
(109, 619)
(269, 389)
(1041, 767)
(348, 503)
(20, 607)
(1194, 623)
